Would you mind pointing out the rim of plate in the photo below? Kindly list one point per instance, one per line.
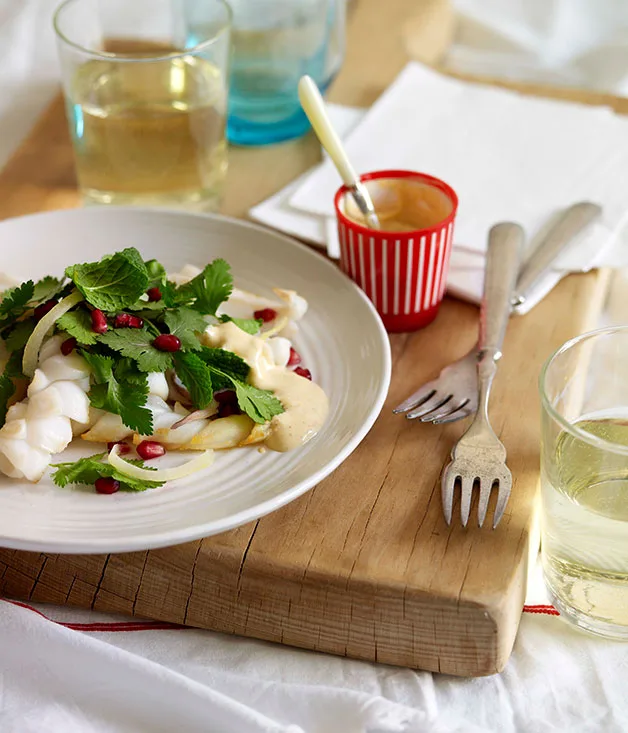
(196, 532)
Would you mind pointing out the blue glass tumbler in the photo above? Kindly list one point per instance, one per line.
(275, 42)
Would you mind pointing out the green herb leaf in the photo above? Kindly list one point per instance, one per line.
(120, 389)
(259, 404)
(226, 366)
(7, 390)
(15, 302)
(113, 283)
(248, 325)
(78, 323)
(46, 288)
(13, 367)
(18, 336)
(210, 288)
(229, 371)
(185, 323)
(156, 273)
(196, 377)
(137, 344)
(88, 470)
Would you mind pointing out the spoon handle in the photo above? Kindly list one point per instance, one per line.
(316, 111)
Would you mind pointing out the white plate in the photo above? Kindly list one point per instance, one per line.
(342, 341)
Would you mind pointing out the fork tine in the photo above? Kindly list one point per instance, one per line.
(418, 398)
(453, 416)
(485, 494)
(505, 484)
(465, 499)
(447, 492)
(448, 408)
(438, 400)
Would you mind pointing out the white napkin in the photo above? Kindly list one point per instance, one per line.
(304, 207)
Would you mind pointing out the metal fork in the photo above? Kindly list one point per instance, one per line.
(479, 456)
(453, 394)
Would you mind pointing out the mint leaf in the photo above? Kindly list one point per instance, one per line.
(227, 365)
(18, 336)
(46, 288)
(156, 273)
(78, 323)
(185, 323)
(137, 344)
(248, 325)
(210, 288)
(114, 283)
(7, 390)
(196, 377)
(88, 470)
(116, 393)
(229, 371)
(259, 404)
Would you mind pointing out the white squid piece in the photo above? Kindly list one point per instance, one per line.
(41, 425)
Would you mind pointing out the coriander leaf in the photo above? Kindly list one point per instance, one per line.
(196, 377)
(14, 303)
(120, 389)
(172, 296)
(259, 404)
(18, 336)
(137, 344)
(210, 288)
(185, 323)
(156, 273)
(113, 283)
(88, 470)
(46, 288)
(227, 364)
(101, 366)
(78, 324)
(7, 390)
(248, 325)
(148, 306)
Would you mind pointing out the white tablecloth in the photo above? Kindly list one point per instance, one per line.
(70, 671)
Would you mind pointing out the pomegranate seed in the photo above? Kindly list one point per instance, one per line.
(106, 485)
(99, 322)
(124, 447)
(266, 315)
(295, 357)
(154, 294)
(225, 397)
(303, 372)
(44, 308)
(68, 346)
(126, 320)
(148, 449)
(167, 342)
(227, 409)
(122, 320)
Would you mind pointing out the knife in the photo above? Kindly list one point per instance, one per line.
(561, 236)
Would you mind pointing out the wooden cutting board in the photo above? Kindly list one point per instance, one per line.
(363, 565)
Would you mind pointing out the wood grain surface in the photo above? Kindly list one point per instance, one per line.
(363, 565)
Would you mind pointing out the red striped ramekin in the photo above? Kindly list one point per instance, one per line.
(404, 274)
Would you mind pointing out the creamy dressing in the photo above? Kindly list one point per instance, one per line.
(304, 402)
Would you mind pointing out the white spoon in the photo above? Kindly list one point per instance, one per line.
(314, 107)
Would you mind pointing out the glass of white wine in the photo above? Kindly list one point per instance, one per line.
(584, 480)
(145, 83)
